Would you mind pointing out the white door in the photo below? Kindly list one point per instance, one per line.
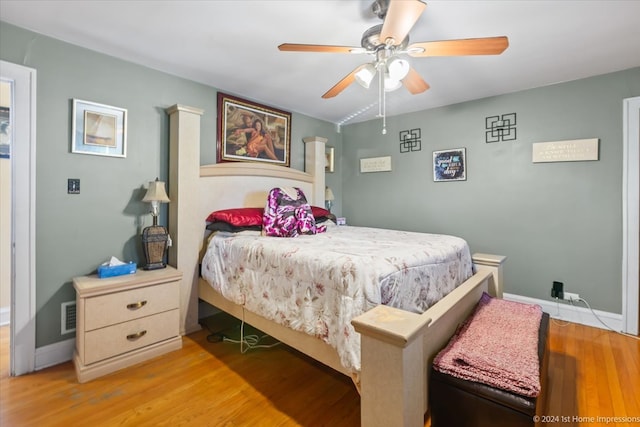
(23, 170)
(631, 217)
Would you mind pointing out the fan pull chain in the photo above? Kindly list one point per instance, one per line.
(384, 108)
(380, 83)
(382, 98)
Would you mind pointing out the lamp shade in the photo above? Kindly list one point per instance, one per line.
(365, 75)
(328, 194)
(398, 68)
(391, 84)
(156, 192)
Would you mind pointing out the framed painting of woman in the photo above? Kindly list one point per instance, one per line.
(251, 132)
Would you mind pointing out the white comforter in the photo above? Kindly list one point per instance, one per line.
(318, 283)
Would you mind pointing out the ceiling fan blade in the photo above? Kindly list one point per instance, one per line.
(481, 46)
(342, 84)
(414, 83)
(401, 17)
(293, 47)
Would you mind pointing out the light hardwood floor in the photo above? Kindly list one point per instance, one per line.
(593, 373)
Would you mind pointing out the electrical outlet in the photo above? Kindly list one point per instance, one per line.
(557, 290)
(568, 296)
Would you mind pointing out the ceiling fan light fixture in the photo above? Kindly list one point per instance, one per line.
(365, 75)
(391, 84)
(398, 68)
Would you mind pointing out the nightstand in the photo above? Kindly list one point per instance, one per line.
(124, 320)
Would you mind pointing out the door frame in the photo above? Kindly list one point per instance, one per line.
(23, 212)
(630, 215)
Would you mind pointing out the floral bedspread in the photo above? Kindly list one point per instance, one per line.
(317, 283)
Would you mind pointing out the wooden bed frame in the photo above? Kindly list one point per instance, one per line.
(397, 347)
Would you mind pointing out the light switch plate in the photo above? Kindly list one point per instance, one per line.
(73, 186)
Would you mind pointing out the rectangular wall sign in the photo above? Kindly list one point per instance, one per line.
(576, 150)
(375, 164)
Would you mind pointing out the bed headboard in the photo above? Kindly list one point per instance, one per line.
(195, 191)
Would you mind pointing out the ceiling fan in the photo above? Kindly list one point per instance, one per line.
(388, 41)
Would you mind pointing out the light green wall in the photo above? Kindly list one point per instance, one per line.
(75, 233)
(554, 221)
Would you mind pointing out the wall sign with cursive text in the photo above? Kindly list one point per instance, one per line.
(450, 165)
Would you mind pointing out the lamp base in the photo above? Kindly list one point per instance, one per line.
(154, 244)
(155, 266)
(328, 204)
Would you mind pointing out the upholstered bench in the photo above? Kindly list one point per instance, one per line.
(458, 402)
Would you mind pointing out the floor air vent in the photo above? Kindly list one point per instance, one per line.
(68, 320)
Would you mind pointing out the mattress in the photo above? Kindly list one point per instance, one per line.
(317, 283)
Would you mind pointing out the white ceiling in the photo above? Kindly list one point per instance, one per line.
(232, 45)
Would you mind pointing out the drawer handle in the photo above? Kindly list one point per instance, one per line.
(136, 305)
(136, 335)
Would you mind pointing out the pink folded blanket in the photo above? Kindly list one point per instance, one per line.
(498, 346)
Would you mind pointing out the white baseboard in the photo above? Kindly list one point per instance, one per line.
(563, 310)
(54, 354)
(5, 315)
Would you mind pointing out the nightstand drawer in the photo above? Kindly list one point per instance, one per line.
(109, 309)
(103, 343)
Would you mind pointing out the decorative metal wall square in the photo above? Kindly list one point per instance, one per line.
(410, 140)
(500, 128)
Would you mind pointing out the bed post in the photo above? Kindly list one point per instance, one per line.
(184, 225)
(494, 263)
(314, 165)
(392, 359)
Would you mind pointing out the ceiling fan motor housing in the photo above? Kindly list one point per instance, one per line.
(371, 40)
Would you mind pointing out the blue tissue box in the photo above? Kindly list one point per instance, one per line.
(116, 270)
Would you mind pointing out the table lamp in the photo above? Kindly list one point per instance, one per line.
(155, 238)
(328, 198)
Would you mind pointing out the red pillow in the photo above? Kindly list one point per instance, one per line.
(242, 217)
(319, 212)
(239, 217)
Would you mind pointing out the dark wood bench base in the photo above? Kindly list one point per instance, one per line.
(457, 402)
